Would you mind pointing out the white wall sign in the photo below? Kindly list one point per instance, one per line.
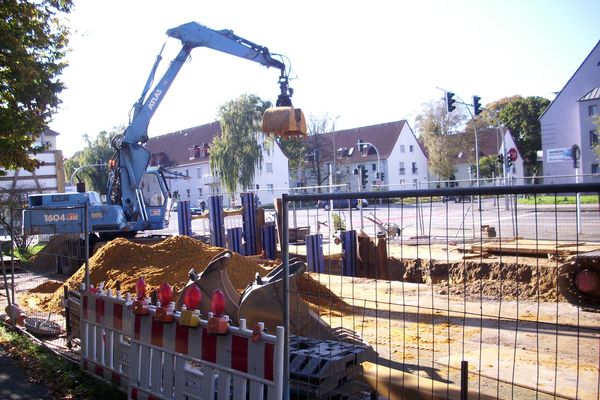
(559, 155)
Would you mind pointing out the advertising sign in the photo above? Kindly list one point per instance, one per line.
(559, 155)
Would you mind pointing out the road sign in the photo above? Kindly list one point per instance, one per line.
(512, 154)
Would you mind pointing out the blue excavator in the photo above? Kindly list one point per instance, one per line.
(130, 207)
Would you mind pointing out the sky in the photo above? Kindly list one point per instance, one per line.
(358, 63)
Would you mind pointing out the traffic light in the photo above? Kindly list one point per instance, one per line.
(364, 176)
(476, 105)
(509, 162)
(382, 176)
(450, 102)
(500, 159)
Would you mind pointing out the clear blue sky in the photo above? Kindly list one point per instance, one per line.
(366, 62)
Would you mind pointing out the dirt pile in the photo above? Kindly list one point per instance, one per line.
(167, 261)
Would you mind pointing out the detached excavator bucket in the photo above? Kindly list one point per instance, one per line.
(262, 301)
(214, 277)
(284, 121)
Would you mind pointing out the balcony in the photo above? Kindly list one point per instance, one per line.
(211, 180)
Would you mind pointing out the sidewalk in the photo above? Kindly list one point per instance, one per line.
(14, 384)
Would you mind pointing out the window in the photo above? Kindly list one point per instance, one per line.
(593, 138)
(414, 168)
(402, 150)
(411, 148)
(401, 170)
(402, 182)
(269, 168)
(198, 172)
(270, 187)
(373, 167)
(595, 169)
(200, 192)
(593, 110)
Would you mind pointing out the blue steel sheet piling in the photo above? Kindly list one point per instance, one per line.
(314, 253)
(216, 220)
(234, 240)
(269, 241)
(249, 222)
(349, 251)
(184, 218)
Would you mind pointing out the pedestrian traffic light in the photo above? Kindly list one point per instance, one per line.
(364, 176)
(450, 102)
(476, 105)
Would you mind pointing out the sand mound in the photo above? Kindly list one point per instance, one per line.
(167, 261)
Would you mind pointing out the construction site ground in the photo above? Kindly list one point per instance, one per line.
(545, 345)
(516, 347)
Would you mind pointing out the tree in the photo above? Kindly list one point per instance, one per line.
(32, 52)
(435, 127)
(319, 150)
(97, 151)
(521, 116)
(295, 150)
(235, 155)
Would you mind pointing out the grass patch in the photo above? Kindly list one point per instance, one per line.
(585, 199)
(64, 379)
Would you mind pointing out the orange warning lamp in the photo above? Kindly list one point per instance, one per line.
(141, 305)
(190, 315)
(165, 307)
(217, 324)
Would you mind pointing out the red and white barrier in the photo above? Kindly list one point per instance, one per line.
(156, 360)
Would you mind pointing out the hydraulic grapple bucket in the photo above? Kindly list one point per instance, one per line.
(284, 121)
(212, 278)
(262, 301)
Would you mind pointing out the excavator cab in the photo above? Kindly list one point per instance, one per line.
(283, 119)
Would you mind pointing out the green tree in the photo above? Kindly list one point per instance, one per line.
(489, 167)
(235, 155)
(32, 50)
(436, 126)
(521, 116)
(97, 151)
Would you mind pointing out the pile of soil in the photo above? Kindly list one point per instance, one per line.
(167, 261)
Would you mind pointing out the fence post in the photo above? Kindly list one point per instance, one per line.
(314, 253)
(216, 221)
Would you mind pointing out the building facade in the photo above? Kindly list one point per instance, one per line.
(568, 121)
(389, 152)
(188, 153)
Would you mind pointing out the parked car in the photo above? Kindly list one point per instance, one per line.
(456, 199)
(343, 203)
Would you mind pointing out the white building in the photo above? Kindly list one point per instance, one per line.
(188, 152)
(390, 149)
(568, 121)
(47, 178)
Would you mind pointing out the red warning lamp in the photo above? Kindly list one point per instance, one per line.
(165, 307)
(165, 294)
(192, 297)
(218, 303)
(190, 315)
(141, 305)
(140, 289)
(217, 324)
